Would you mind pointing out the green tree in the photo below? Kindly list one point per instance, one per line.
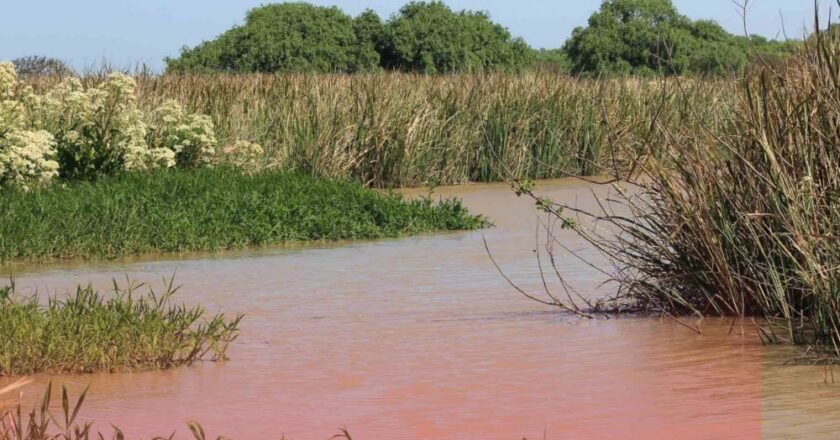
(645, 36)
(429, 37)
(370, 32)
(283, 38)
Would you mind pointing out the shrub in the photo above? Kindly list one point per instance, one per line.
(431, 38)
(191, 137)
(282, 38)
(26, 156)
(87, 132)
(646, 36)
(244, 155)
(41, 66)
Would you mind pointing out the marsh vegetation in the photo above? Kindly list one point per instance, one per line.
(131, 328)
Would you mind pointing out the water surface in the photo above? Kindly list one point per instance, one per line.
(420, 338)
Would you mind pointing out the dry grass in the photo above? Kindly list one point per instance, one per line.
(742, 221)
(393, 130)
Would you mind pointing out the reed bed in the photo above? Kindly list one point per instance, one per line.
(89, 332)
(397, 130)
(739, 222)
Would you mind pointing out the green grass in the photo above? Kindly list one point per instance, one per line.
(207, 210)
(88, 332)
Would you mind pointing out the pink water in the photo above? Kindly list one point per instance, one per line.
(421, 338)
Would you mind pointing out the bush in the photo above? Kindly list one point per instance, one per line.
(41, 66)
(431, 38)
(26, 155)
(299, 37)
(287, 37)
(84, 133)
(647, 36)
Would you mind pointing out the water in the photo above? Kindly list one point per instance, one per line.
(421, 338)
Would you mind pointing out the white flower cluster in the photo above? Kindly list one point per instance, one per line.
(244, 155)
(26, 156)
(101, 126)
(102, 123)
(191, 137)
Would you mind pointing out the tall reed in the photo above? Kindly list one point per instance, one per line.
(743, 221)
(392, 129)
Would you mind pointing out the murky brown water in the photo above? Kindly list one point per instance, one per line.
(420, 338)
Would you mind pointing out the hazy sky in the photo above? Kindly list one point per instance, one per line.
(126, 32)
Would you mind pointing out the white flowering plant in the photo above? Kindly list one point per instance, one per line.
(79, 132)
(191, 137)
(26, 156)
(247, 156)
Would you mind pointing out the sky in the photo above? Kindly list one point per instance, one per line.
(126, 33)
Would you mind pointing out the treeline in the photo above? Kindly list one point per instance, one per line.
(623, 36)
(421, 37)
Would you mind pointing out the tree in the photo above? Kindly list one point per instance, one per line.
(645, 36)
(287, 37)
(41, 66)
(370, 34)
(429, 37)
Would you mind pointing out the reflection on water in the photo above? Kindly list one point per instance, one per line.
(421, 338)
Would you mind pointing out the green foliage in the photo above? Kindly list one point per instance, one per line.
(287, 37)
(299, 37)
(206, 209)
(431, 38)
(551, 59)
(86, 332)
(370, 35)
(648, 36)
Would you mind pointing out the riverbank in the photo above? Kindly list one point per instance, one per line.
(206, 209)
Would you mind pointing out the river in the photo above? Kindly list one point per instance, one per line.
(420, 337)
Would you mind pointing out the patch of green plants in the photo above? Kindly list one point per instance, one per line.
(88, 332)
(206, 210)
(742, 222)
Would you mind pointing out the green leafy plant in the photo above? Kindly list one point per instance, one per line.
(88, 332)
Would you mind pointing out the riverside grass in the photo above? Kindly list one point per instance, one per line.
(87, 332)
(743, 222)
(206, 210)
(395, 130)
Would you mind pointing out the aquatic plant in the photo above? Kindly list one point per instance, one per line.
(396, 130)
(207, 209)
(740, 222)
(40, 423)
(87, 332)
